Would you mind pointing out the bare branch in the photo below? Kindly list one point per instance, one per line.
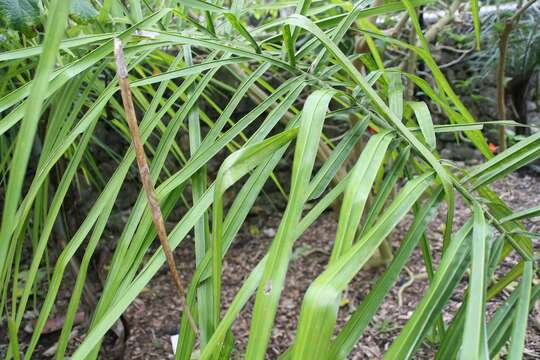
(501, 68)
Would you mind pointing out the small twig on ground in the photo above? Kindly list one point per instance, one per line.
(317, 250)
(501, 68)
(144, 172)
(453, 49)
(412, 279)
(456, 61)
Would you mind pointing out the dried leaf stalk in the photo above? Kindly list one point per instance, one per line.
(144, 172)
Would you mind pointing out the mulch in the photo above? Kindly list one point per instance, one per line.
(153, 317)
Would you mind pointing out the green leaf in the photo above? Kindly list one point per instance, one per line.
(464, 116)
(360, 319)
(209, 147)
(237, 25)
(514, 157)
(395, 94)
(57, 22)
(499, 209)
(500, 326)
(451, 343)
(287, 40)
(233, 168)
(523, 214)
(473, 337)
(201, 230)
(519, 327)
(66, 44)
(83, 12)
(62, 75)
(269, 292)
(386, 188)
(336, 159)
(203, 5)
(20, 15)
(321, 302)
(450, 271)
(13, 338)
(423, 116)
(266, 72)
(362, 177)
(475, 11)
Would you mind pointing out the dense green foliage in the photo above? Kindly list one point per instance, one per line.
(299, 72)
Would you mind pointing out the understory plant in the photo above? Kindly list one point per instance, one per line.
(296, 75)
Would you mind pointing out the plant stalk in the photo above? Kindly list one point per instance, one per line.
(501, 69)
(144, 172)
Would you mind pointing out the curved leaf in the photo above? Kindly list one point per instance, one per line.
(20, 15)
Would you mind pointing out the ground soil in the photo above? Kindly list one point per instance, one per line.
(153, 317)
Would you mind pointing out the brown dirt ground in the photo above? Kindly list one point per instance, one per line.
(153, 316)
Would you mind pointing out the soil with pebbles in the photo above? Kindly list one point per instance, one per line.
(153, 317)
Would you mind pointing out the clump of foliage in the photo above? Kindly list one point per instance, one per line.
(524, 43)
(60, 92)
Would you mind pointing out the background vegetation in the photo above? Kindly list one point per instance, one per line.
(349, 95)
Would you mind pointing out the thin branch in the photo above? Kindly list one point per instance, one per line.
(144, 172)
(521, 10)
(501, 65)
(501, 68)
(456, 61)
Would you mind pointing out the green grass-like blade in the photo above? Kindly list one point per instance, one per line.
(475, 316)
(519, 327)
(475, 11)
(423, 116)
(362, 177)
(56, 24)
(321, 302)
(233, 168)
(275, 269)
(446, 278)
(361, 317)
(523, 214)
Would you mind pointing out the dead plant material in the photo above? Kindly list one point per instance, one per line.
(144, 172)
